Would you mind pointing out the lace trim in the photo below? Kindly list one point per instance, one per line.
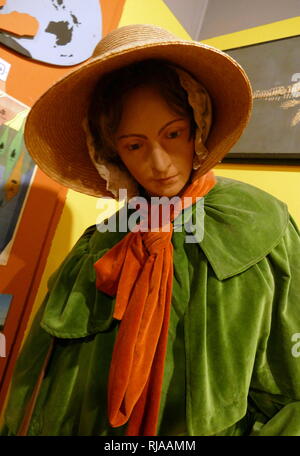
(115, 177)
(199, 100)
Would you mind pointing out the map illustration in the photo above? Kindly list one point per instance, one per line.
(59, 32)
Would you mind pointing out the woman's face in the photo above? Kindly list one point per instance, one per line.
(154, 143)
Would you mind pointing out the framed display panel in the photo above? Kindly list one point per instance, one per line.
(273, 132)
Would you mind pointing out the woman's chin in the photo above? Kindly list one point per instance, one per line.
(166, 190)
(169, 193)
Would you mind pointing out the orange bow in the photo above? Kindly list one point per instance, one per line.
(139, 272)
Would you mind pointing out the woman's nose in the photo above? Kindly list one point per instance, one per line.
(160, 160)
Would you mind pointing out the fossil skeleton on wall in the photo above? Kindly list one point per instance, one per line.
(289, 96)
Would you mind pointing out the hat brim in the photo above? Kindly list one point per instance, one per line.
(54, 135)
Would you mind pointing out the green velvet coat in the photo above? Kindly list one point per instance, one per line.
(233, 360)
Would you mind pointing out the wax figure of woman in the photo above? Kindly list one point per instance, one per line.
(154, 330)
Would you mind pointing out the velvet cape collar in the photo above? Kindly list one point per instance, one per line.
(236, 236)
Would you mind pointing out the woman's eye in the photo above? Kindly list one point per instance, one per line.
(174, 134)
(134, 146)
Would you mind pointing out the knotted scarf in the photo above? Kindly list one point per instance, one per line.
(138, 271)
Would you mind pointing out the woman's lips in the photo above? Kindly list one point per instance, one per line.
(167, 180)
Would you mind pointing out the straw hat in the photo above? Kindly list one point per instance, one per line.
(54, 135)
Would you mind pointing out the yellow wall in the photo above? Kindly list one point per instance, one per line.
(282, 181)
(260, 34)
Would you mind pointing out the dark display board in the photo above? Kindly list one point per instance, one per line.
(273, 133)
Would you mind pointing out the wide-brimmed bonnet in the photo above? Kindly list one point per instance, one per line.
(54, 133)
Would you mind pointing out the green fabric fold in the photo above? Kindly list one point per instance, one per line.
(75, 308)
(231, 225)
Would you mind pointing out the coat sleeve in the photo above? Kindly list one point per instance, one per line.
(274, 395)
(26, 373)
(37, 347)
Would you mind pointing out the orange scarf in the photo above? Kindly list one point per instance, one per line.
(139, 272)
